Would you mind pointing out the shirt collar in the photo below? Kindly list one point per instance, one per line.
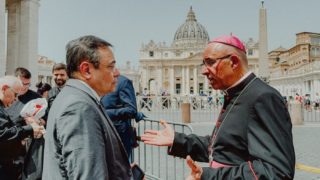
(98, 98)
(226, 91)
(240, 80)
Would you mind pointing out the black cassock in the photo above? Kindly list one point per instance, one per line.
(254, 139)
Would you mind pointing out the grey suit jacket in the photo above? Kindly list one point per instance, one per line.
(81, 142)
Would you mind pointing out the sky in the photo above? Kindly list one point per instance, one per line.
(126, 24)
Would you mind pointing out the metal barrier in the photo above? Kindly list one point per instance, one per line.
(152, 103)
(169, 107)
(154, 160)
(309, 114)
(312, 115)
(203, 109)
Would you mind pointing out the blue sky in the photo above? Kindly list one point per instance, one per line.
(129, 23)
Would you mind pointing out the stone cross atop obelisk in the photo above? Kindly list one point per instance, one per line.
(264, 72)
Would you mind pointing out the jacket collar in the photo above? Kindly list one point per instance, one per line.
(83, 87)
(239, 87)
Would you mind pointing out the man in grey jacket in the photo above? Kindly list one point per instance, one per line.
(81, 142)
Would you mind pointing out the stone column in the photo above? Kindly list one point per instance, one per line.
(2, 38)
(172, 80)
(187, 88)
(316, 86)
(160, 79)
(28, 51)
(195, 80)
(183, 80)
(13, 36)
(147, 77)
(185, 112)
(264, 72)
(144, 83)
(296, 113)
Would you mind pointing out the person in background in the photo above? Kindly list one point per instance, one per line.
(60, 77)
(146, 101)
(43, 89)
(12, 134)
(26, 95)
(307, 102)
(298, 98)
(81, 141)
(317, 101)
(252, 138)
(121, 107)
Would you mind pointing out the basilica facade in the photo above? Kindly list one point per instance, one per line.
(175, 69)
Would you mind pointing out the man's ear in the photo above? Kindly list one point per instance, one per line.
(84, 69)
(4, 87)
(235, 61)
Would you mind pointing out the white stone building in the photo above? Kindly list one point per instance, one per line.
(131, 73)
(175, 69)
(297, 70)
(44, 70)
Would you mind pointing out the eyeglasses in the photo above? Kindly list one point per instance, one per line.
(210, 62)
(26, 84)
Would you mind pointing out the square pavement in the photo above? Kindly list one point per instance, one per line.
(306, 139)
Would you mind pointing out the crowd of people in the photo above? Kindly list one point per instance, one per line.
(87, 125)
(26, 158)
(81, 141)
(306, 101)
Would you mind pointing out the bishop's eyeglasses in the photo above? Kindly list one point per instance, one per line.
(210, 62)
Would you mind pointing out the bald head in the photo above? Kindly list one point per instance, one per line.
(224, 64)
(216, 46)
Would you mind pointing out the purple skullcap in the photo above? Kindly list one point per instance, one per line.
(231, 41)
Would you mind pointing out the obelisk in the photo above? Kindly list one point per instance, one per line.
(264, 72)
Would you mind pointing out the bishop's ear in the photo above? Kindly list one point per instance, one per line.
(235, 61)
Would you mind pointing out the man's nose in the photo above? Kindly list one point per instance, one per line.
(204, 70)
(116, 72)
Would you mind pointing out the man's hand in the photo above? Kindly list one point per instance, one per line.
(159, 138)
(196, 169)
(38, 130)
(30, 120)
(139, 116)
(42, 122)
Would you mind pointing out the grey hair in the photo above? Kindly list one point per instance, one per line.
(84, 48)
(10, 81)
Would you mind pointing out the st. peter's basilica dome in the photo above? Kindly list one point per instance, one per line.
(191, 33)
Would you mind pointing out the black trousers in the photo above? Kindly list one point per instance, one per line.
(10, 171)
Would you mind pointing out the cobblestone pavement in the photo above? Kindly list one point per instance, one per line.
(306, 143)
